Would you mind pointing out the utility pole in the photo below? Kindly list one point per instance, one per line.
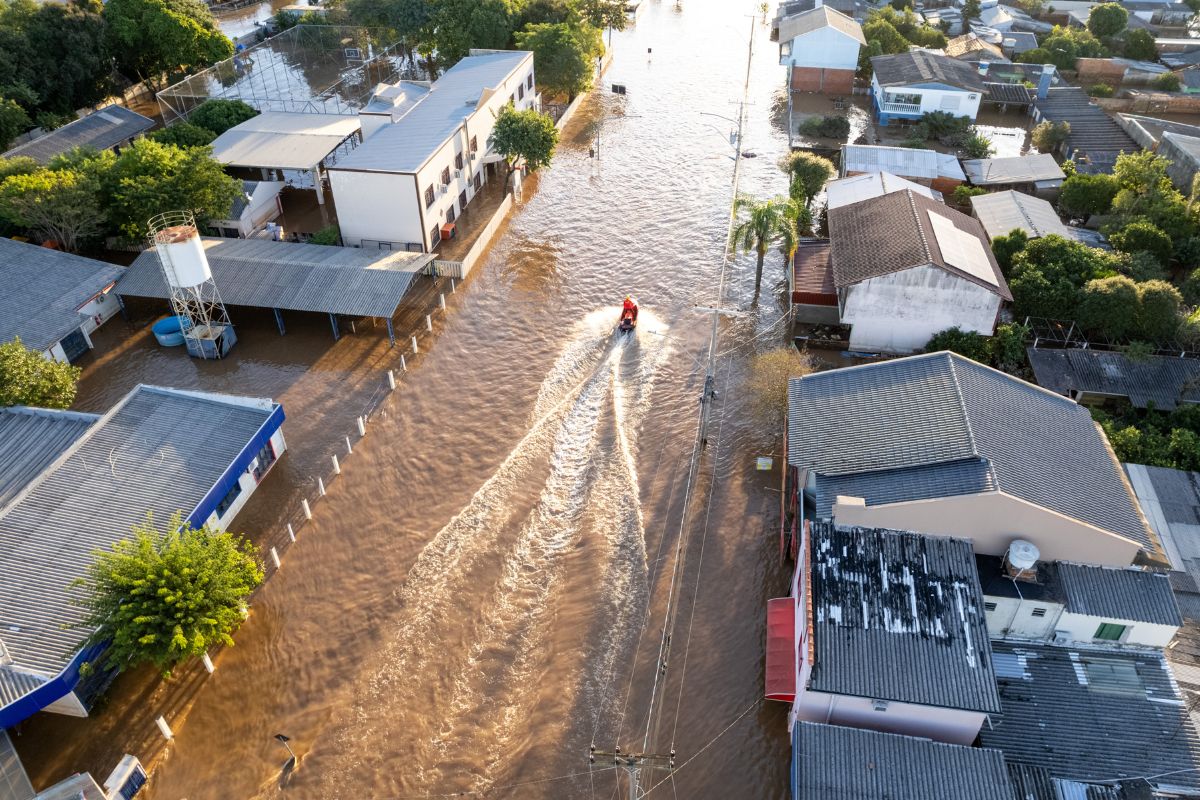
(632, 764)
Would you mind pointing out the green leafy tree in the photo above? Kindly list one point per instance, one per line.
(1139, 45)
(1006, 246)
(219, 115)
(563, 55)
(885, 34)
(1167, 82)
(1190, 288)
(14, 121)
(1158, 310)
(1049, 272)
(966, 343)
(1142, 236)
(807, 174)
(865, 54)
(149, 178)
(978, 146)
(1109, 306)
(1143, 266)
(759, 223)
(1147, 194)
(403, 20)
(972, 9)
(151, 38)
(603, 14)
(1047, 136)
(68, 64)
(17, 165)
(27, 378)
(184, 134)
(1107, 20)
(962, 194)
(59, 205)
(1085, 195)
(164, 596)
(525, 138)
(1008, 347)
(459, 25)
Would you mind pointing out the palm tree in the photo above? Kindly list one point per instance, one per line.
(766, 221)
(798, 221)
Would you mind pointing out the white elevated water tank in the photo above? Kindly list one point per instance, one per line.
(1023, 554)
(182, 255)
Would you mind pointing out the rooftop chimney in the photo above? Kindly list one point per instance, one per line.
(1044, 81)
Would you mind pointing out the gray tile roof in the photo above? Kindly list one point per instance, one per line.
(30, 438)
(1032, 168)
(1002, 212)
(831, 762)
(899, 616)
(1161, 381)
(893, 232)
(1031, 783)
(1132, 594)
(409, 142)
(820, 17)
(923, 67)
(948, 479)
(940, 408)
(157, 450)
(100, 130)
(294, 277)
(1092, 714)
(41, 290)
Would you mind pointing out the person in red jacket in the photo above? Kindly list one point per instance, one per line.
(630, 307)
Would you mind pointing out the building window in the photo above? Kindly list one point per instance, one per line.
(446, 175)
(989, 606)
(474, 144)
(1038, 612)
(529, 81)
(229, 499)
(1109, 632)
(435, 235)
(458, 160)
(450, 213)
(912, 99)
(428, 196)
(879, 705)
(477, 181)
(266, 456)
(521, 92)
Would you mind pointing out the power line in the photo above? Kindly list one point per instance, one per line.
(707, 745)
(490, 789)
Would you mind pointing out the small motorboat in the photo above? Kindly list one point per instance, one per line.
(629, 312)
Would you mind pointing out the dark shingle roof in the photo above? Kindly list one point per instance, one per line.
(1091, 714)
(903, 600)
(1132, 594)
(830, 762)
(100, 130)
(41, 290)
(922, 66)
(893, 232)
(940, 408)
(1164, 381)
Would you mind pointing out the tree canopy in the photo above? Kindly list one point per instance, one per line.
(458, 25)
(58, 205)
(1047, 136)
(1139, 45)
(1107, 19)
(807, 174)
(1084, 195)
(151, 38)
(219, 115)
(563, 55)
(184, 134)
(525, 138)
(27, 378)
(1048, 273)
(1142, 236)
(166, 595)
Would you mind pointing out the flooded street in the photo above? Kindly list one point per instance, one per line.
(481, 596)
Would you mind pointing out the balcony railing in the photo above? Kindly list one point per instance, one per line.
(901, 108)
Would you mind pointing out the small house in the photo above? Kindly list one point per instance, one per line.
(970, 47)
(1001, 213)
(110, 128)
(906, 86)
(938, 171)
(258, 204)
(820, 49)
(1037, 172)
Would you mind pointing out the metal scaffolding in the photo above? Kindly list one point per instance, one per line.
(324, 69)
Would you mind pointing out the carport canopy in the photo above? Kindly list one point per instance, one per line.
(284, 140)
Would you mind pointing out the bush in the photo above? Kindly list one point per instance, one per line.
(327, 235)
(963, 193)
(184, 134)
(1048, 136)
(1147, 436)
(966, 343)
(1139, 45)
(831, 127)
(1007, 246)
(1085, 195)
(1158, 310)
(978, 146)
(1109, 306)
(1004, 351)
(1100, 90)
(1107, 19)
(1142, 237)
(1143, 266)
(220, 115)
(1167, 82)
(1190, 289)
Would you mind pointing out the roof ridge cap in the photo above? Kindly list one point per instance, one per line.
(912, 204)
(962, 404)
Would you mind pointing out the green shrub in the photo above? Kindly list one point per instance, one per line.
(1100, 90)
(963, 193)
(1167, 82)
(327, 235)
(831, 127)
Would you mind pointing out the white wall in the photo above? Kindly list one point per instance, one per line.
(898, 313)
(953, 101)
(248, 483)
(380, 206)
(826, 48)
(68, 705)
(98, 311)
(940, 724)
(1014, 618)
(991, 521)
(1082, 628)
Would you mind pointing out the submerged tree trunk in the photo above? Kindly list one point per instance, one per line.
(758, 270)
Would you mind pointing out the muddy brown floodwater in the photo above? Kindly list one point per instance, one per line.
(482, 594)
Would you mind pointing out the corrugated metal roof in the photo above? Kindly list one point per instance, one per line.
(942, 407)
(409, 142)
(846, 191)
(41, 290)
(899, 616)
(1031, 783)
(830, 762)
(283, 140)
(100, 130)
(907, 162)
(31, 438)
(817, 18)
(1003, 212)
(1034, 168)
(294, 277)
(949, 479)
(1161, 381)
(1096, 714)
(158, 450)
(1115, 593)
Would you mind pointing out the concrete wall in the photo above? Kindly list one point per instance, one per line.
(377, 207)
(898, 313)
(940, 724)
(1014, 618)
(1082, 628)
(992, 521)
(1183, 165)
(824, 48)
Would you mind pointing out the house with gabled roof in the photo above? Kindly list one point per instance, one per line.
(906, 267)
(820, 49)
(943, 445)
(906, 86)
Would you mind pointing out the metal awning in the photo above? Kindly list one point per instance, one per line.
(283, 140)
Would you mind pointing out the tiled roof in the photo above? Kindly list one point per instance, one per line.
(923, 67)
(820, 17)
(903, 600)
(99, 130)
(1161, 381)
(1092, 714)
(926, 482)
(969, 44)
(812, 274)
(830, 762)
(1119, 593)
(940, 408)
(894, 232)
(41, 290)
